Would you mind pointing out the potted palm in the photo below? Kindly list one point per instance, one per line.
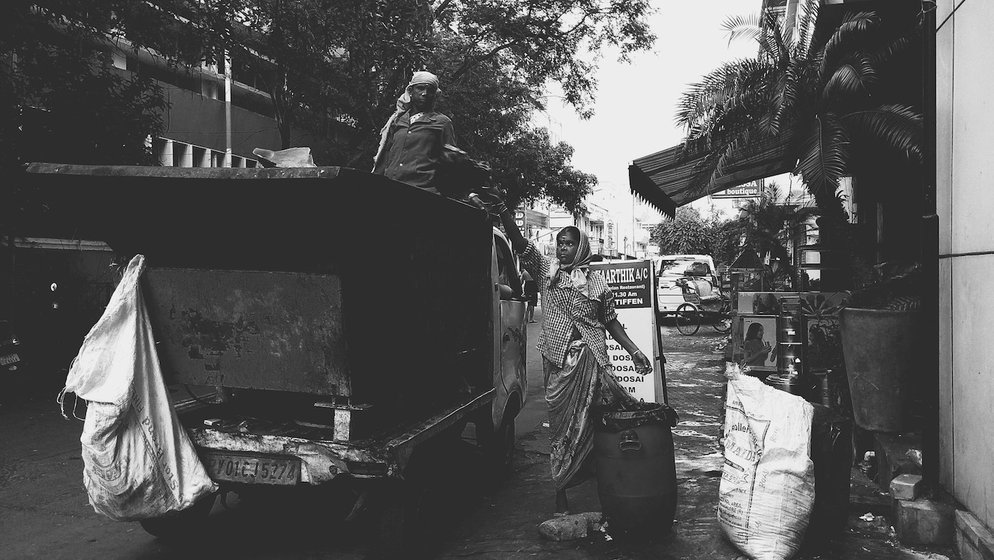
(879, 330)
(831, 98)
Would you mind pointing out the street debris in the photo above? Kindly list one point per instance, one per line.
(868, 517)
(571, 527)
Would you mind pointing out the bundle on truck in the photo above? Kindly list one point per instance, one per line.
(312, 325)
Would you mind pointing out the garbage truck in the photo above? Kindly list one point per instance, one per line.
(316, 326)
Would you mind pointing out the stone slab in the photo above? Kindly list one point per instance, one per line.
(924, 521)
(974, 540)
(906, 487)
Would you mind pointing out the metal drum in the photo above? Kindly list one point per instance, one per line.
(636, 473)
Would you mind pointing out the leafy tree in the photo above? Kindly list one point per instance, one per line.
(687, 233)
(60, 99)
(829, 96)
(337, 67)
(341, 66)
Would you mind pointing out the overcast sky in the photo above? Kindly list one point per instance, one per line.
(636, 102)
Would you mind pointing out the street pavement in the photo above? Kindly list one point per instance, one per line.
(44, 511)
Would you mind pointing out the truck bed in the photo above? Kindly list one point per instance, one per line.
(327, 282)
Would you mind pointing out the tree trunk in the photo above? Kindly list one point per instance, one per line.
(278, 94)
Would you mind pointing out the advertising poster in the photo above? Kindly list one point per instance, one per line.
(631, 282)
(759, 345)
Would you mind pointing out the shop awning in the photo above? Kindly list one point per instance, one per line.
(673, 177)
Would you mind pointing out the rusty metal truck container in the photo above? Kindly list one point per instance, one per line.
(322, 322)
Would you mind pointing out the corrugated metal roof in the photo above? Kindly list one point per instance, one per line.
(674, 177)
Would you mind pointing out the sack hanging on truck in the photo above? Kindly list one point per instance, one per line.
(767, 488)
(138, 461)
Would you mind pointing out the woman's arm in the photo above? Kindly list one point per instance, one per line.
(642, 364)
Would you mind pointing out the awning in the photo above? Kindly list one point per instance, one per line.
(673, 177)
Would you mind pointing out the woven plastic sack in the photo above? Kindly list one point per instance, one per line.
(767, 488)
(138, 461)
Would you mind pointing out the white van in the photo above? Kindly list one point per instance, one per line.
(670, 268)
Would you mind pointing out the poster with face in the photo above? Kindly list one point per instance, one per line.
(823, 349)
(759, 343)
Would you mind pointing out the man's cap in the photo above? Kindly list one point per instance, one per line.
(424, 78)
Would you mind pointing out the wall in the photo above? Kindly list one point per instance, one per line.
(965, 202)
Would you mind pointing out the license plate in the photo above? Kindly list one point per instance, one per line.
(254, 469)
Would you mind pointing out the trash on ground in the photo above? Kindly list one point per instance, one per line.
(571, 527)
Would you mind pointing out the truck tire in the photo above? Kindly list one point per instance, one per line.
(182, 524)
(401, 526)
(498, 445)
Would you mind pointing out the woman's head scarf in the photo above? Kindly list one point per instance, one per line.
(403, 103)
(576, 271)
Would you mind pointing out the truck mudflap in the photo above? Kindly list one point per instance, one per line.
(322, 461)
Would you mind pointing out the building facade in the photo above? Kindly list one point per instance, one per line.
(965, 203)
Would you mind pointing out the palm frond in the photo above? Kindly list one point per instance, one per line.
(809, 14)
(852, 78)
(737, 27)
(850, 36)
(895, 127)
(772, 42)
(824, 154)
(890, 50)
(742, 82)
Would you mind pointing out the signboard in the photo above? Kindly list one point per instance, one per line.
(742, 191)
(631, 282)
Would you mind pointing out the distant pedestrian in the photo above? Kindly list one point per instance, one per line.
(411, 141)
(530, 288)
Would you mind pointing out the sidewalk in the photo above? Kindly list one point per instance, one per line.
(508, 527)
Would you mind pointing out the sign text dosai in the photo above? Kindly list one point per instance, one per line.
(631, 282)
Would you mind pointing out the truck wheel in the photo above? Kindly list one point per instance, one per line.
(401, 524)
(182, 524)
(498, 446)
(502, 453)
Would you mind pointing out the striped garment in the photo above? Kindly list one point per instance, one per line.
(569, 315)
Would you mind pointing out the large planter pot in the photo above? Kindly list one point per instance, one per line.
(879, 347)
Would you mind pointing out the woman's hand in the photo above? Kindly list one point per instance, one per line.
(642, 364)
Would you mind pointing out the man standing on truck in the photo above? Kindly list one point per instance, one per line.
(412, 139)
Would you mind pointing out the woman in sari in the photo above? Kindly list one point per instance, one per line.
(577, 309)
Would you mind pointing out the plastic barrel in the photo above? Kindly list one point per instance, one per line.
(636, 473)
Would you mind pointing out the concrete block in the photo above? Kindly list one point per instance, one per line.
(906, 487)
(570, 527)
(974, 540)
(924, 521)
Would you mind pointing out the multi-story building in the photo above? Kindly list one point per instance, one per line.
(217, 113)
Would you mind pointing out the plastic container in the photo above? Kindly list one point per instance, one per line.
(636, 472)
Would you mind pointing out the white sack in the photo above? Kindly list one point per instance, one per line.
(767, 488)
(138, 461)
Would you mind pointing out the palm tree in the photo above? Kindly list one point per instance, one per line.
(764, 226)
(824, 98)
